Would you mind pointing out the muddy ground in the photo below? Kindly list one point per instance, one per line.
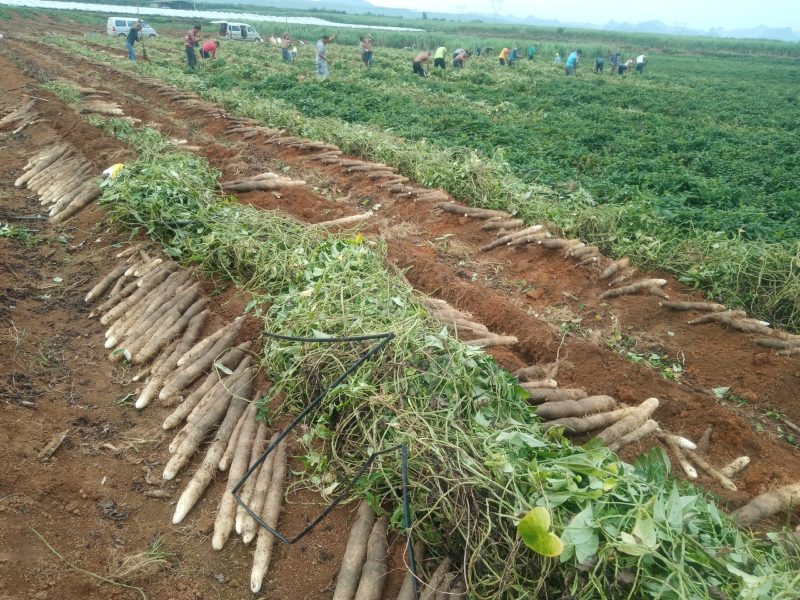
(88, 501)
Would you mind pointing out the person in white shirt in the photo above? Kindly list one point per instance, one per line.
(641, 61)
(323, 64)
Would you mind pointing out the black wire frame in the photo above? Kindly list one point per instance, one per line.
(384, 338)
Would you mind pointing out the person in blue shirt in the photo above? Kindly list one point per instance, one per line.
(572, 62)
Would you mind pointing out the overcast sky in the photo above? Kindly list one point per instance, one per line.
(701, 14)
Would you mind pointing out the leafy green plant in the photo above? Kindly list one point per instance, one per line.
(478, 458)
(684, 191)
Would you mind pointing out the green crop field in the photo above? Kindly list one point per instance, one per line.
(691, 167)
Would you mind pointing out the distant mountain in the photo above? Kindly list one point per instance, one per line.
(785, 34)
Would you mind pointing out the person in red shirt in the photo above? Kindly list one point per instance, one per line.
(191, 40)
(209, 49)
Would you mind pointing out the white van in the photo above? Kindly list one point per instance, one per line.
(241, 32)
(120, 26)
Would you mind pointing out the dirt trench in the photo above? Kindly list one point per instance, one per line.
(88, 501)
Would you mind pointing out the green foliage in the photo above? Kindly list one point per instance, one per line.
(63, 90)
(484, 475)
(699, 184)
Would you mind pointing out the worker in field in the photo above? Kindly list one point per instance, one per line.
(557, 59)
(366, 50)
(531, 52)
(641, 61)
(133, 37)
(190, 41)
(209, 49)
(625, 67)
(286, 51)
(323, 63)
(599, 63)
(503, 56)
(438, 58)
(572, 62)
(460, 59)
(419, 60)
(513, 57)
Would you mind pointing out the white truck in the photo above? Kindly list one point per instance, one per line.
(241, 32)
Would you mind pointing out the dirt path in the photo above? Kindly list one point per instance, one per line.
(88, 501)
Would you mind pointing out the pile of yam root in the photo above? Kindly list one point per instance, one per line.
(156, 312)
(63, 179)
(615, 426)
(21, 117)
(463, 324)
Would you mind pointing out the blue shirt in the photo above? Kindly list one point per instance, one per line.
(572, 59)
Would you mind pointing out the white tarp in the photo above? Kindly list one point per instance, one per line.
(204, 15)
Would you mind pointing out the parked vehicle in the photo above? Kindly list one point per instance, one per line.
(237, 31)
(120, 26)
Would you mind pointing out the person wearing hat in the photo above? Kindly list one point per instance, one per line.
(133, 37)
(641, 61)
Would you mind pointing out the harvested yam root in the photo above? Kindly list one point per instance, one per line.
(578, 425)
(101, 107)
(582, 251)
(266, 181)
(269, 514)
(736, 319)
(539, 395)
(497, 223)
(375, 570)
(647, 428)
(704, 441)
(673, 447)
(537, 372)
(767, 504)
(205, 473)
(703, 306)
(469, 211)
(629, 423)
(711, 471)
(575, 408)
(24, 114)
(437, 583)
(62, 178)
(344, 221)
(460, 322)
(539, 383)
(736, 466)
(493, 340)
(640, 286)
(407, 589)
(559, 243)
(786, 344)
(355, 554)
(614, 268)
(507, 239)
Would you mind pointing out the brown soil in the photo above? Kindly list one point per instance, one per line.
(54, 376)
